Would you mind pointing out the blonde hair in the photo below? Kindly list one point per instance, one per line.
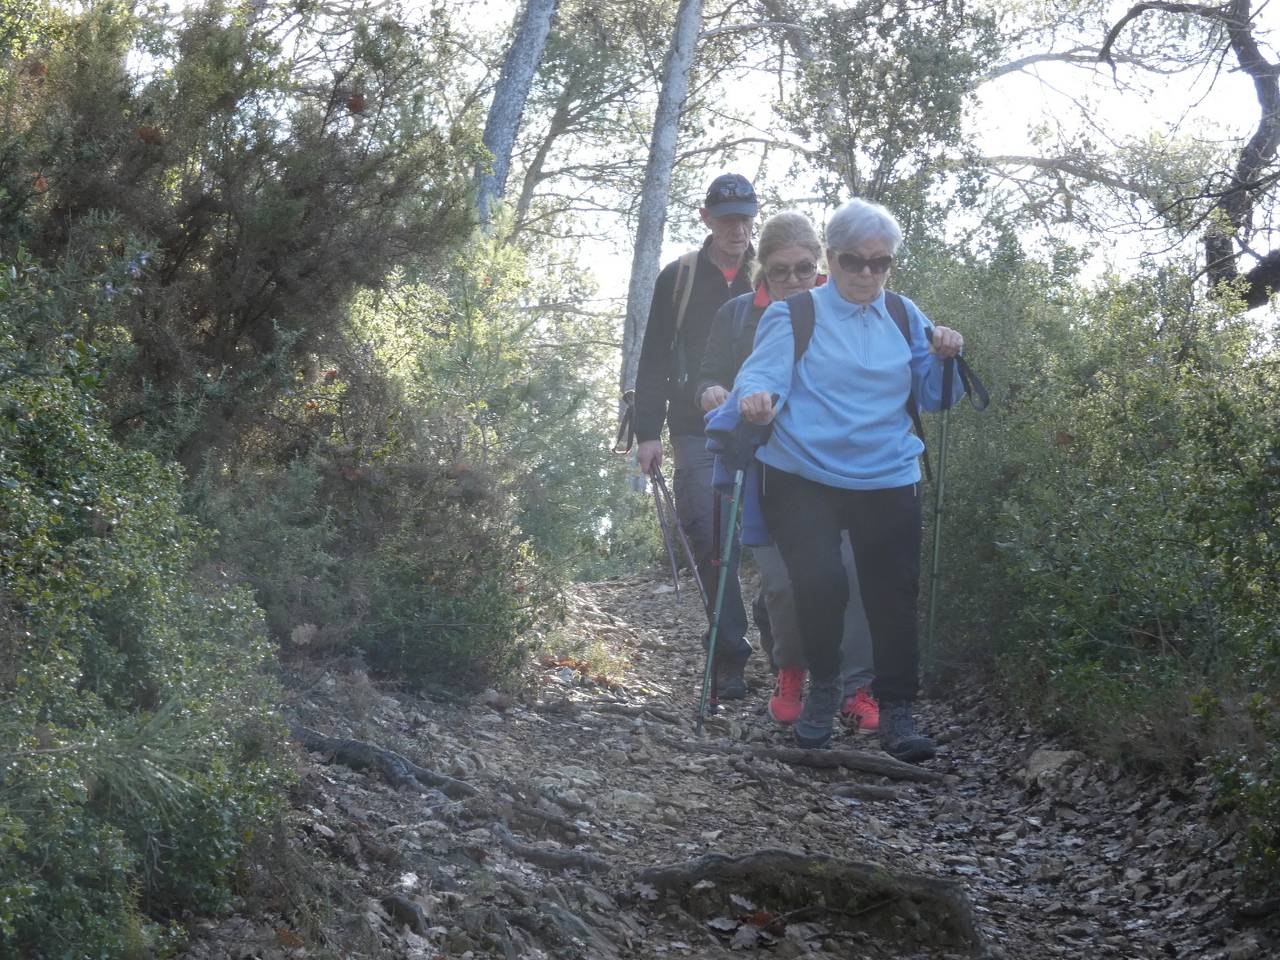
(789, 228)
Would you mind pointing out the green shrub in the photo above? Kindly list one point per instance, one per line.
(1247, 775)
(276, 162)
(419, 566)
(131, 769)
(1110, 547)
(451, 469)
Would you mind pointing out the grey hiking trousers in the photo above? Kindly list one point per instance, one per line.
(857, 666)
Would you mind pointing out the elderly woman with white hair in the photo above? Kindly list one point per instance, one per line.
(842, 457)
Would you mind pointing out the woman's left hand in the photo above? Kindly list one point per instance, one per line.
(946, 342)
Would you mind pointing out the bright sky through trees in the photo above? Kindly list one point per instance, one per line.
(1029, 113)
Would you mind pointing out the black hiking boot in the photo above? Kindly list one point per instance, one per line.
(898, 735)
(817, 716)
(730, 682)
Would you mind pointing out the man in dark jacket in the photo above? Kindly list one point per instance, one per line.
(686, 297)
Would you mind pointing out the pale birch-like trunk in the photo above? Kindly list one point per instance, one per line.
(509, 98)
(650, 220)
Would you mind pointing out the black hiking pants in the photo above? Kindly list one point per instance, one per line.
(806, 520)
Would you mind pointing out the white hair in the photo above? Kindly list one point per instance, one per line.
(858, 221)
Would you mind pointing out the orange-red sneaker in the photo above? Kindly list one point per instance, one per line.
(788, 691)
(861, 711)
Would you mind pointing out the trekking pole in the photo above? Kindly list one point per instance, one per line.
(680, 534)
(724, 556)
(948, 382)
(664, 523)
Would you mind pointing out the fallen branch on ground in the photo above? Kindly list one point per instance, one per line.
(880, 764)
(552, 859)
(399, 771)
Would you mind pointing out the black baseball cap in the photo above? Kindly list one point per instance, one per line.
(731, 193)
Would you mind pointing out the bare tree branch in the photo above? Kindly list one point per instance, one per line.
(1078, 56)
(749, 28)
(1198, 9)
(1234, 211)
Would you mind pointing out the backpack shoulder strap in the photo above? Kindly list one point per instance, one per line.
(685, 271)
(741, 308)
(897, 308)
(803, 320)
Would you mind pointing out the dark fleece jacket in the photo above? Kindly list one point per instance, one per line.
(664, 386)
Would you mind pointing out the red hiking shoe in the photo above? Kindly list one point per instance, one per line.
(784, 705)
(861, 711)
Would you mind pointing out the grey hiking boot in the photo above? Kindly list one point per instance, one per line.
(730, 682)
(898, 735)
(821, 701)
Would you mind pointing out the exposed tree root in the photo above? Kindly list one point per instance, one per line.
(545, 818)
(551, 859)
(636, 710)
(399, 771)
(939, 909)
(756, 772)
(864, 791)
(878, 763)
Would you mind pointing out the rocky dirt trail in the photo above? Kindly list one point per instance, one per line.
(586, 820)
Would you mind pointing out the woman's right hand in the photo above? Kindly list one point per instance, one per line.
(758, 407)
(712, 397)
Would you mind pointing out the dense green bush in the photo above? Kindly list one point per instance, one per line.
(1110, 538)
(418, 566)
(135, 720)
(454, 471)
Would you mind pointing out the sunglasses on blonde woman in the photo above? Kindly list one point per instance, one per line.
(853, 263)
(803, 270)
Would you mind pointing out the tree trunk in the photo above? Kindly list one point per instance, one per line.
(657, 184)
(509, 97)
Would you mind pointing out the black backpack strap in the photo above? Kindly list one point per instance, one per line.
(741, 310)
(803, 319)
(898, 311)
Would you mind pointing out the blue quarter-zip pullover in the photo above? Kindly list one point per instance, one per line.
(841, 416)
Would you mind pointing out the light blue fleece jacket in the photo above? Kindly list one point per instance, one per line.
(841, 415)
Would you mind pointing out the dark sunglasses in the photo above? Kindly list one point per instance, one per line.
(801, 271)
(852, 263)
